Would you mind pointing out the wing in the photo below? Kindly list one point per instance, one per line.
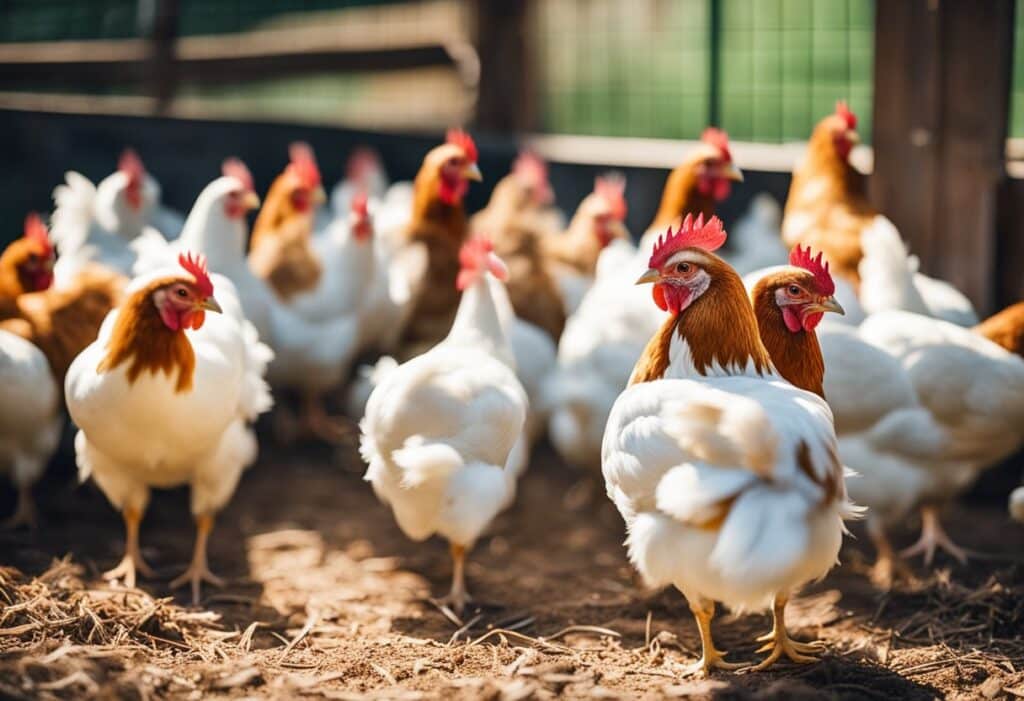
(72, 215)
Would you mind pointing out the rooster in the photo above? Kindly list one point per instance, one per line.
(165, 397)
(439, 223)
(518, 216)
(59, 317)
(599, 220)
(440, 430)
(281, 250)
(920, 405)
(608, 331)
(97, 223)
(727, 476)
(310, 358)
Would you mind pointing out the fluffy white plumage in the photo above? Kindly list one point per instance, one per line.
(755, 239)
(439, 429)
(31, 418)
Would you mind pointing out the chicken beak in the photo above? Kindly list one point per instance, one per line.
(319, 196)
(472, 172)
(830, 304)
(853, 137)
(651, 275)
(251, 200)
(732, 172)
(211, 305)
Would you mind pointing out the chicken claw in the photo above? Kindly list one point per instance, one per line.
(132, 561)
(199, 570)
(24, 513)
(779, 642)
(711, 658)
(458, 597)
(934, 536)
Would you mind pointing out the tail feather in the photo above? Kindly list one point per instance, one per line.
(887, 271)
(422, 461)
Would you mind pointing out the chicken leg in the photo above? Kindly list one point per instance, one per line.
(933, 536)
(24, 513)
(458, 597)
(779, 642)
(886, 566)
(199, 571)
(319, 424)
(703, 611)
(132, 561)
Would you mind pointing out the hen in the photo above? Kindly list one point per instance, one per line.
(310, 358)
(608, 331)
(440, 430)
(281, 250)
(920, 405)
(164, 398)
(727, 476)
(439, 223)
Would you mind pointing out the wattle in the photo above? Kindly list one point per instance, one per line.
(812, 320)
(452, 191)
(792, 319)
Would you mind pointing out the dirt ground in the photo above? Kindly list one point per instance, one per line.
(326, 598)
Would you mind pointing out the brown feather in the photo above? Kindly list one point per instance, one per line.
(680, 195)
(141, 339)
(281, 250)
(797, 356)
(1005, 328)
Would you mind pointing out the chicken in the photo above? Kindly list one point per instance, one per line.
(440, 429)
(31, 420)
(97, 223)
(60, 318)
(754, 240)
(310, 358)
(727, 476)
(920, 405)
(364, 174)
(164, 398)
(572, 256)
(609, 330)
(281, 250)
(516, 218)
(439, 223)
(1005, 328)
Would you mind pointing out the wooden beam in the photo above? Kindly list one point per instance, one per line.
(505, 101)
(940, 120)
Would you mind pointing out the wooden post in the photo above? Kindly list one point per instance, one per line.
(505, 101)
(162, 37)
(942, 80)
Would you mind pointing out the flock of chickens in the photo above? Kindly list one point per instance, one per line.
(762, 398)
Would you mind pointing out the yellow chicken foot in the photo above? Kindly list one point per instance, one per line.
(24, 513)
(459, 596)
(132, 561)
(886, 565)
(199, 571)
(321, 425)
(703, 611)
(779, 642)
(933, 536)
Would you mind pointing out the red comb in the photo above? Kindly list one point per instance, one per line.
(610, 188)
(719, 139)
(843, 111)
(457, 137)
(363, 160)
(359, 204)
(35, 231)
(197, 267)
(801, 258)
(475, 257)
(234, 168)
(531, 168)
(131, 165)
(691, 234)
(303, 164)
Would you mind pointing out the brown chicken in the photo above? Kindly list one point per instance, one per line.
(281, 250)
(439, 222)
(1005, 328)
(699, 183)
(827, 207)
(515, 219)
(61, 322)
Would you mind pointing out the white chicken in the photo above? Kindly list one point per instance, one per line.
(440, 430)
(97, 223)
(164, 397)
(30, 422)
(755, 239)
(727, 477)
(309, 357)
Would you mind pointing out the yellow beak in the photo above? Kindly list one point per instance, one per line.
(472, 172)
(732, 172)
(852, 136)
(827, 305)
(251, 200)
(319, 196)
(651, 275)
(211, 305)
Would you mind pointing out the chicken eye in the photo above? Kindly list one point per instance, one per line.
(794, 290)
(182, 292)
(682, 267)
